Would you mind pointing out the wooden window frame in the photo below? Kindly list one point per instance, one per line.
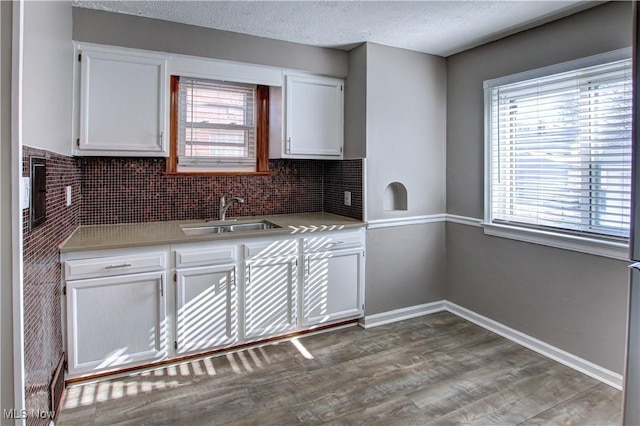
(262, 135)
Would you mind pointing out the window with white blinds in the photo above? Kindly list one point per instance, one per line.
(559, 151)
(216, 125)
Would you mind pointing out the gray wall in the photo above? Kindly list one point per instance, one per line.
(406, 266)
(6, 252)
(571, 300)
(406, 129)
(405, 121)
(143, 33)
(47, 73)
(355, 104)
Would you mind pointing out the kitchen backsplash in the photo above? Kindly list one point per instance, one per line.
(42, 290)
(126, 190)
(338, 177)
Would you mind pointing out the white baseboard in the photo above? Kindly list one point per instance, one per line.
(602, 374)
(401, 314)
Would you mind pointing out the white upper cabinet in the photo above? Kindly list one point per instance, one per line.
(121, 104)
(313, 118)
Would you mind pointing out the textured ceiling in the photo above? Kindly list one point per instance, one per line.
(436, 27)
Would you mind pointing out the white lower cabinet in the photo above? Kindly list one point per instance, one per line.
(122, 311)
(115, 321)
(206, 315)
(332, 285)
(270, 296)
(270, 287)
(333, 280)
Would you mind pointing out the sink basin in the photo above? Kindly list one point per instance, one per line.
(205, 229)
(202, 230)
(253, 226)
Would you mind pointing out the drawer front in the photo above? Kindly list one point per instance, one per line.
(204, 257)
(324, 242)
(114, 265)
(264, 249)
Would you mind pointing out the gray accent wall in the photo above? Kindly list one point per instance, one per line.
(405, 266)
(571, 300)
(95, 26)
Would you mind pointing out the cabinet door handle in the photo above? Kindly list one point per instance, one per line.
(233, 278)
(161, 138)
(124, 265)
(289, 145)
(161, 286)
(307, 266)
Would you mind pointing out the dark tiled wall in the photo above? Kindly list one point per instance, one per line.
(125, 190)
(341, 176)
(42, 289)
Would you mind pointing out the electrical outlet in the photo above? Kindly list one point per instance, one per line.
(347, 198)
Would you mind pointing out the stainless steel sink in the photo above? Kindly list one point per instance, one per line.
(202, 230)
(254, 226)
(205, 229)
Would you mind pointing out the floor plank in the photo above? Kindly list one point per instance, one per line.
(437, 369)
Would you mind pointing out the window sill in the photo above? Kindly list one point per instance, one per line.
(217, 174)
(610, 249)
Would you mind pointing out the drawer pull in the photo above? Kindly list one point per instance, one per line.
(124, 265)
(334, 243)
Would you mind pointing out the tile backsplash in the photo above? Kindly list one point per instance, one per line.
(126, 190)
(41, 280)
(340, 176)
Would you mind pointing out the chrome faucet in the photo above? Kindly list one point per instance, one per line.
(224, 205)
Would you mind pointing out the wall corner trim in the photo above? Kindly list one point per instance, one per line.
(595, 371)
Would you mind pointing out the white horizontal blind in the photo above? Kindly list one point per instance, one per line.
(216, 124)
(560, 152)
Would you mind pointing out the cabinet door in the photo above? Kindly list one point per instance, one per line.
(115, 321)
(122, 103)
(269, 296)
(333, 286)
(314, 117)
(206, 308)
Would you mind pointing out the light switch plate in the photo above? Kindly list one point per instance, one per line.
(25, 192)
(67, 192)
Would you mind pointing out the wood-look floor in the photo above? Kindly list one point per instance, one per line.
(436, 370)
